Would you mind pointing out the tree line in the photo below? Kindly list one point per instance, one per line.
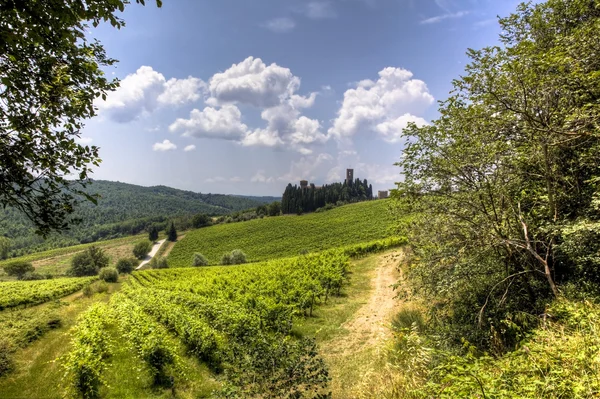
(297, 199)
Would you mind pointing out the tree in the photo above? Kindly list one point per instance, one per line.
(141, 249)
(5, 245)
(109, 274)
(51, 72)
(199, 260)
(159, 263)
(171, 232)
(153, 233)
(19, 269)
(88, 262)
(508, 176)
(126, 265)
(201, 220)
(274, 208)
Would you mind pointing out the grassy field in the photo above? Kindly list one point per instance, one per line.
(284, 236)
(56, 261)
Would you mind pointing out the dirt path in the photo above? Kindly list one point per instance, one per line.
(153, 252)
(370, 325)
(353, 354)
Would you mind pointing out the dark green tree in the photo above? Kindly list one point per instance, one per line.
(88, 262)
(153, 233)
(18, 269)
(5, 245)
(142, 248)
(274, 208)
(171, 232)
(50, 72)
(201, 220)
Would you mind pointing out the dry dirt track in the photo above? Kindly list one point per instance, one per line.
(351, 357)
(370, 324)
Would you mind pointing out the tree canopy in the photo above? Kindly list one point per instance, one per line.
(50, 75)
(506, 182)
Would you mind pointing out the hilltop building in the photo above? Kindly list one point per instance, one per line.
(303, 183)
(349, 176)
(382, 194)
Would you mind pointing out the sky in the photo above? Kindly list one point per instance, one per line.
(246, 96)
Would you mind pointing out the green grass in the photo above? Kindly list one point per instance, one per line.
(285, 236)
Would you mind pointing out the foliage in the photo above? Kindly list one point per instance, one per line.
(201, 220)
(5, 245)
(147, 338)
(18, 269)
(504, 182)
(298, 199)
(171, 232)
(109, 274)
(277, 237)
(142, 249)
(35, 292)
(236, 257)
(126, 265)
(153, 233)
(88, 262)
(274, 208)
(122, 210)
(199, 260)
(86, 362)
(239, 319)
(159, 263)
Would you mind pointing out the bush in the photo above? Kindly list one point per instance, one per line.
(88, 262)
(33, 276)
(109, 274)
(201, 220)
(199, 260)
(97, 287)
(236, 257)
(126, 265)
(152, 233)
(19, 269)
(142, 249)
(159, 263)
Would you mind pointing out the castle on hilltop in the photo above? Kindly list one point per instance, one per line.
(349, 180)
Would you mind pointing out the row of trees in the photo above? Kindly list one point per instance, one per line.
(298, 199)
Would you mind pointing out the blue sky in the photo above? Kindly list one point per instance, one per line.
(244, 96)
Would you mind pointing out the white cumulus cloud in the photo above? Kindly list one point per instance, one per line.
(223, 123)
(166, 145)
(144, 91)
(440, 18)
(382, 106)
(189, 148)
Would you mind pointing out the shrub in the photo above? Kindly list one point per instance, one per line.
(142, 249)
(407, 319)
(199, 260)
(126, 265)
(201, 220)
(152, 233)
(97, 287)
(109, 274)
(236, 257)
(33, 276)
(159, 263)
(88, 262)
(19, 269)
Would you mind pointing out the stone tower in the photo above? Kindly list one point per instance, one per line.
(349, 176)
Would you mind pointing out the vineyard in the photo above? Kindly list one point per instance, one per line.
(285, 236)
(35, 292)
(237, 320)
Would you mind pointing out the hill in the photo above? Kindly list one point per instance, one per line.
(282, 236)
(123, 209)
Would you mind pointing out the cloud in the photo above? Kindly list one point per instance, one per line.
(166, 145)
(223, 123)
(221, 179)
(269, 88)
(252, 82)
(383, 106)
(260, 177)
(146, 90)
(280, 25)
(189, 148)
(235, 179)
(440, 18)
(318, 10)
(84, 140)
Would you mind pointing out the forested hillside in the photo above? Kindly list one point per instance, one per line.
(122, 209)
